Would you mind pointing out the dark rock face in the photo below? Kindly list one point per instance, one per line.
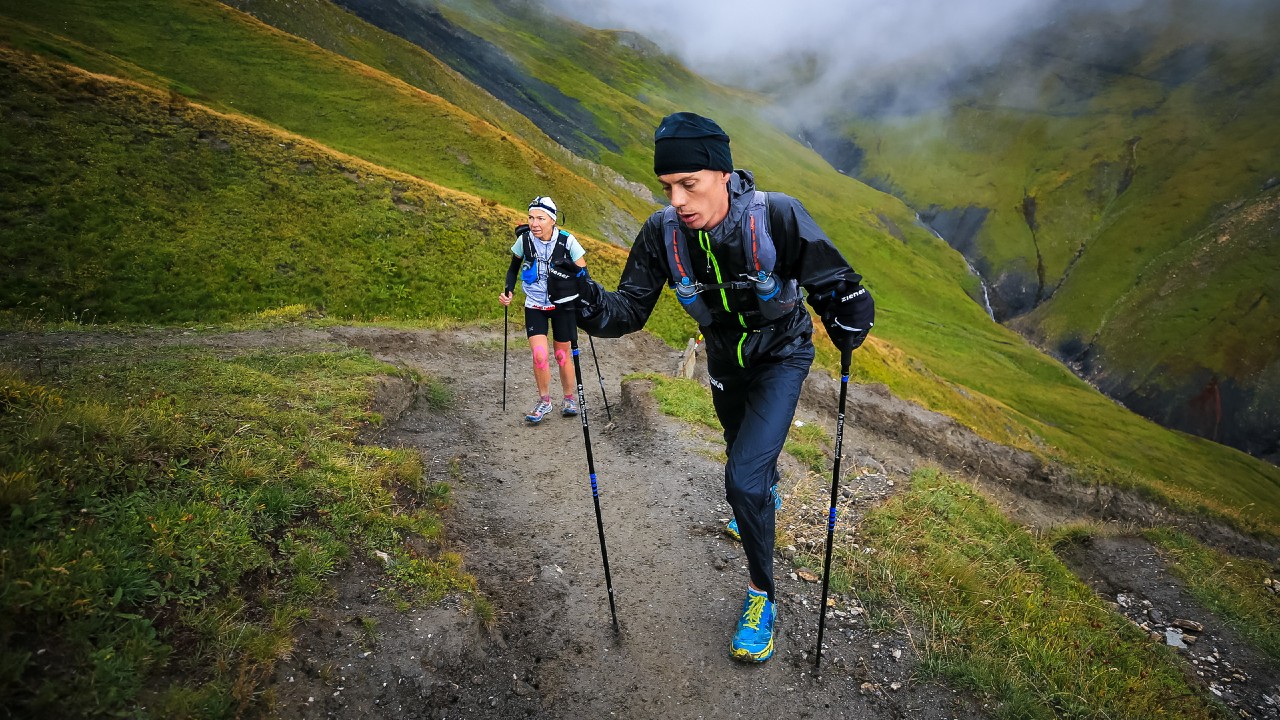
(1012, 291)
(561, 117)
(958, 226)
(840, 151)
(1237, 414)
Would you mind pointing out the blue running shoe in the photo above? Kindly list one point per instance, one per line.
(754, 640)
(732, 528)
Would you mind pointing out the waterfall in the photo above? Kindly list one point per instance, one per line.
(986, 297)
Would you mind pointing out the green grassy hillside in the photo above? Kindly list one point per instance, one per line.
(380, 257)
(1104, 186)
(220, 57)
(171, 514)
(122, 204)
(336, 30)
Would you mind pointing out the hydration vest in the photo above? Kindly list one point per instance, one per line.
(561, 271)
(774, 297)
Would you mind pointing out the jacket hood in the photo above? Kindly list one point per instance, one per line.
(742, 186)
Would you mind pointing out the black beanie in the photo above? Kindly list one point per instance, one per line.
(685, 142)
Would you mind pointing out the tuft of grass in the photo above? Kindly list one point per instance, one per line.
(369, 631)
(171, 515)
(436, 394)
(1074, 533)
(808, 443)
(682, 398)
(485, 611)
(430, 579)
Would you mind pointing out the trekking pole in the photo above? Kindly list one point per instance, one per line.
(591, 468)
(595, 357)
(831, 513)
(504, 358)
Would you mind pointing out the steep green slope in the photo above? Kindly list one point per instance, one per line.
(334, 29)
(574, 81)
(223, 58)
(1093, 189)
(121, 205)
(932, 343)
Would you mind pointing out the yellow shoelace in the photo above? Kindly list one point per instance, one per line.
(755, 608)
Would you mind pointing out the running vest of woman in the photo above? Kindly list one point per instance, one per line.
(538, 260)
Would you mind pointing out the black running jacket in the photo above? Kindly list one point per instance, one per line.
(738, 334)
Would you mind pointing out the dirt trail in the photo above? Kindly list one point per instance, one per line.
(526, 525)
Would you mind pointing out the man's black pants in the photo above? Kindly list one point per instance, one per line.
(756, 406)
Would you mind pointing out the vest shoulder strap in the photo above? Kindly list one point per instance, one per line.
(756, 233)
(558, 255)
(774, 297)
(758, 236)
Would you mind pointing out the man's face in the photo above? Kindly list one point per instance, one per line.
(541, 224)
(700, 198)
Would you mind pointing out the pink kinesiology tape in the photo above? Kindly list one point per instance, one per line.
(561, 357)
(540, 358)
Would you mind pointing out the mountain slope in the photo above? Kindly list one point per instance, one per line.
(126, 204)
(334, 29)
(1089, 168)
(229, 61)
(932, 343)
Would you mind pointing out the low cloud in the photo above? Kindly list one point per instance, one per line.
(902, 55)
(827, 45)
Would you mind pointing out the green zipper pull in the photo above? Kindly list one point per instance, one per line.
(705, 242)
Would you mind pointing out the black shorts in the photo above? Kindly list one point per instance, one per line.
(561, 322)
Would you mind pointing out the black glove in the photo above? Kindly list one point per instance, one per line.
(589, 291)
(848, 313)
